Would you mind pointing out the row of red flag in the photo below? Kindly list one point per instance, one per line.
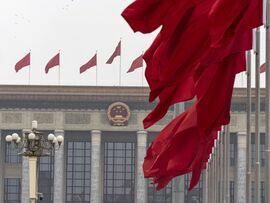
(197, 53)
(55, 61)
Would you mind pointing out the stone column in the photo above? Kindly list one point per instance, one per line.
(25, 180)
(178, 184)
(178, 189)
(241, 168)
(25, 177)
(141, 194)
(205, 185)
(95, 167)
(2, 158)
(58, 192)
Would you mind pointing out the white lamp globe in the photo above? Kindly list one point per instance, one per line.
(54, 140)
(60, 138)
(18, 140)
(31, 136)
(15, 136)
(8, 138)
(51, 137)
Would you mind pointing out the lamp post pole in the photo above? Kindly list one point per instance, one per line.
(34, 145)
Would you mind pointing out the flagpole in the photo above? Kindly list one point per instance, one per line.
(257, 118)
(29, 69)
(120, 62)
(96, 70)
(248, 136)
(267, 114)
(142, 70)
(59, 70)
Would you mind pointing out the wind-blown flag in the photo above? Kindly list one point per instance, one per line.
(263, 68)
(117, 52)
(92, 62)
(55, 61)
(25, 61)
(178, 70)
(137, 63)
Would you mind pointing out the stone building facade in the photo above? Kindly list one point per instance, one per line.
(105, 143)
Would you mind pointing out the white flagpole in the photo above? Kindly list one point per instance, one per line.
(29, 69)
(59, 70)
(248, 136)
(96, 70)
(142, 70)
(120, 61)
(267, 115)
(257, 119)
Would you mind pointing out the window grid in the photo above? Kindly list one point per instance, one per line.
(262, 192)
(161, 196)
(11, 154)
(119, 172)
(78, 162)
(12, 190)
(232, 192)
(46, 177)
(233, 148)
(195, 195)
(262, 149)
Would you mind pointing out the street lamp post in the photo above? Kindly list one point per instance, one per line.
(34, 145)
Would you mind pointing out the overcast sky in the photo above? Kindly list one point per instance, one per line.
(77, 28)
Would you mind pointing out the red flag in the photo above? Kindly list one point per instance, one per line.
(263, 68)
(137, 63)
(179, 69)
(55, 61)
(25, 61)
(117, 52)
(92, 62)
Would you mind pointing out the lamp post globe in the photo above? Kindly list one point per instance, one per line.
(8, 138)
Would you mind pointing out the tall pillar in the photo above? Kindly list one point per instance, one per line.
(58, 196)
(2, 156)
(25, 180)
(178, 184)
(241, 169)
(205, 185)
(25, 177)
(141, 194)
(95, 166)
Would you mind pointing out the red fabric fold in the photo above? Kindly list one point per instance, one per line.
(197, 53)
(25, 61)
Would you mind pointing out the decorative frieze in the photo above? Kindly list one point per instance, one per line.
(77, 118)
(9, 117)
(44, 118)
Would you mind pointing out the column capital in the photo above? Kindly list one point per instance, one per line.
(141, 132)
(59, 132)
(95, 132)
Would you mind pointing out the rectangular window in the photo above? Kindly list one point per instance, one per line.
(262, 149)
(231, 191)
(252, 191)
(119, 171)
(262, 192)
(233, 148)
(11, 152)
(195, 195)
(154, 196)
(78, 175)
(12, 190)
(46, 178)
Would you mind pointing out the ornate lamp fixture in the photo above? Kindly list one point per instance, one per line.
(34, 145)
